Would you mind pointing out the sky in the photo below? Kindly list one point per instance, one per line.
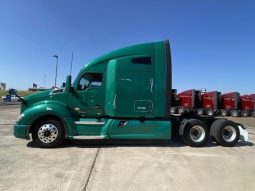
(212, 41)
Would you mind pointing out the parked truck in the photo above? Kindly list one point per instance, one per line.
(230, 104)
(213, 103)
(210, 103)
(12, 96)
(188, 100)
(121, 95)
(247, 105)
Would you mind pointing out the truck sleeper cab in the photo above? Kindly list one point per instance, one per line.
(121, 95)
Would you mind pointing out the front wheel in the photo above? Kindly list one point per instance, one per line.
(48, 133)
(173, 110)
(224, 112)
(200, 111)
(234, 113)
(245, 113)
(210, 112)
(181, 110)
(196, 133)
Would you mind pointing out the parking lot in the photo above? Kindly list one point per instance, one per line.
(107, 165)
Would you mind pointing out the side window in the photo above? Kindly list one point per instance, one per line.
(90, 80)
(142, 60)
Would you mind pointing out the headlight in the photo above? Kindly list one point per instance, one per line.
(20, 117)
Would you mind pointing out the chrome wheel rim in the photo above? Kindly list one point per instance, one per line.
(172, 110)
(245, 113)
(224, 113)
(48, 133)
(210, 112)
(197, 133)
(234, 113)
(199, 112)
(229, 133)
(180, 111)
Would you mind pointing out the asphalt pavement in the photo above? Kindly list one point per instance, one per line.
(107, 165)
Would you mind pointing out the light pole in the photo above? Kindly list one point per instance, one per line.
(44, 79)
(56, 73)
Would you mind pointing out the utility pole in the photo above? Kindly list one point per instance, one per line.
(56, 73)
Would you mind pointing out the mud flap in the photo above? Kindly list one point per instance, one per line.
(243, 133)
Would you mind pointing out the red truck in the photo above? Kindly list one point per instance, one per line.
(230, 104)
(212, 103)
(247, 105)
(187, 101)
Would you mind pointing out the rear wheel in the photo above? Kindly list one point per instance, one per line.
(48, 133)
(200, 111)
(210, 112)
(245, 113)
(253, 114)
(234, 113)
(225, 132)
(196, 133)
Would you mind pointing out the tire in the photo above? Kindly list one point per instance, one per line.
(245, 113)
(173, 110)
(200, 111)
(225, 132)
(181, 110)
(224, 112)
(253, 114)
(210, 112)
(196, 133)
(234, 113)
(48, 133)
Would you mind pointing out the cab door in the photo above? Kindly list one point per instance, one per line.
(88, 98)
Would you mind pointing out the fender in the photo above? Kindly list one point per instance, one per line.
(182, 126)
(44, 108)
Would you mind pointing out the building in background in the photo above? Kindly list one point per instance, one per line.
(35, 88)
(2, 86)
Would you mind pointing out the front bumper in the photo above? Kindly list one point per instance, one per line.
(21, 131)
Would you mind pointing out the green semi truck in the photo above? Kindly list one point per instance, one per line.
(125, 94)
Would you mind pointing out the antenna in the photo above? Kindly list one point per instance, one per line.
(71, 64)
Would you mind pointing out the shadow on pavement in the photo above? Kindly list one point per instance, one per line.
(133, 143)
(243, 144)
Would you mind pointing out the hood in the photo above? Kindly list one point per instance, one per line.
(37, 96)
(33, 98)
(41, 96)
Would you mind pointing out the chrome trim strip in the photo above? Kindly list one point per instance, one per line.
(82, 137)
(89, 122)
